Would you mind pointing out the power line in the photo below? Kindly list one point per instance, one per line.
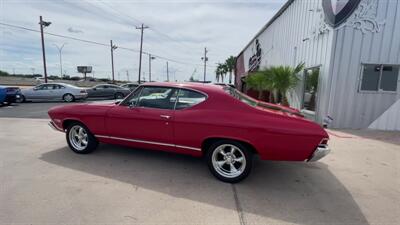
(119, 13)
(98, 43)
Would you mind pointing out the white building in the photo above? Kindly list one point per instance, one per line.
(351, 49)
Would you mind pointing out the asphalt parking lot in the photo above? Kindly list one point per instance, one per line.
(43, 182)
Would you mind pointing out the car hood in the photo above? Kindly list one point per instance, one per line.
(83, 109)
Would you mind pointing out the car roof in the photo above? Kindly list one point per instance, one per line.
(204, 87)
(130, 83)
(63, 84)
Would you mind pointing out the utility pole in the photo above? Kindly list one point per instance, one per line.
(60, 53)
(33, 71)
(150, 58)
(42, 25)
(205, 59)
(112, 47)
(167, 73)
(142, 27)
(127, 75)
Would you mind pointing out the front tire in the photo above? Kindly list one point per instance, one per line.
(229, 161)
(80, 139)
(68, 98)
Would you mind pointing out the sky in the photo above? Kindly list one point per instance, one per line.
(178, 32)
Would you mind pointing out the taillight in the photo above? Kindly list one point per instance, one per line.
(324, 142)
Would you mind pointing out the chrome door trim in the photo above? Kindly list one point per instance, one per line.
(148, 142)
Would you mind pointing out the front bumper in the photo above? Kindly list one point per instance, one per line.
(12, 98)
(55, 127)
(320, 152)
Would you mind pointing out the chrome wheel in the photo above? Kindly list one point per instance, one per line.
(78, 137)
(68, 98)
(228, 160)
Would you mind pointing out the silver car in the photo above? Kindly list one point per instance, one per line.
(53, 91)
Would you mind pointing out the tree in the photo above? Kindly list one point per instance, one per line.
(230, 64)
(284, 78)
(219, 72)
(259, 82)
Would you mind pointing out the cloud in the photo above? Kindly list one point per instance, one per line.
(76, 31)
(179, 30)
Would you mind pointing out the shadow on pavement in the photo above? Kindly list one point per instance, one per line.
(289, 192)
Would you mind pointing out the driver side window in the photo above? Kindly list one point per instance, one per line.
(44, 87)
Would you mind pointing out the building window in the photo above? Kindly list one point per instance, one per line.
(310, 94)
(379, 78)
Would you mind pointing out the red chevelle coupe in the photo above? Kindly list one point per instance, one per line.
(218, 122)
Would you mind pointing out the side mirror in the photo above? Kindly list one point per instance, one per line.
(117, 102)
(35, 89)
(94, 89)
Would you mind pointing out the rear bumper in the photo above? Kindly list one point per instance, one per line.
(81, 96)
(54, 126)
(319, 153)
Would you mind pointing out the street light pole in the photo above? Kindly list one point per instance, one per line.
(60, 52)
(112, 47)
(167, 73)
(150, 58)
(42, 25)
(205, 63)
(142, 27)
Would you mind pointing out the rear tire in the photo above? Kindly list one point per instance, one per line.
(80, 139)
(229, 161)
(68, 98)
(119, 96)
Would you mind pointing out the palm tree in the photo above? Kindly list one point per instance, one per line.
(259, 82)
(265, 78)
(224, 70)
(230, 63)
(219, 72)
(284, 78)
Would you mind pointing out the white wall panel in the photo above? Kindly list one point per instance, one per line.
(389, 120)
(340, 53)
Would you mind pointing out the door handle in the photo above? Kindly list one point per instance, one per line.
(165, 116)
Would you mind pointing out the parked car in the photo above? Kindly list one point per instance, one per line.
(220, 123)
(13, 94)
(130, 86)
(3, 95)
(53, 91)
(109, 91)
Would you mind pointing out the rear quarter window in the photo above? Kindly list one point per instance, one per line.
(189, 98)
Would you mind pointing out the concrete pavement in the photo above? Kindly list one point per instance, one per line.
(43, 182)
